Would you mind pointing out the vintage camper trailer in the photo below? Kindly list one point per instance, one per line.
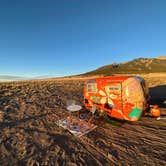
(122, 97)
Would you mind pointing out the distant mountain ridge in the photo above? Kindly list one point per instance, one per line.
(6, 78)
(161, 57)
(136, 66)
(10, 78)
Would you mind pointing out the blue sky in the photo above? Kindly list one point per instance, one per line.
(63, 37)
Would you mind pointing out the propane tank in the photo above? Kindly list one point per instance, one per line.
(155, 111)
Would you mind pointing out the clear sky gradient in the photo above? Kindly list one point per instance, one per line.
(63, 37)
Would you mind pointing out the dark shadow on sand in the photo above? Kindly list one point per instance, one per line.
(17, 122)
(158, 95)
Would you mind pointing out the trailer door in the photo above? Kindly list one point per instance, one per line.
(114, 98)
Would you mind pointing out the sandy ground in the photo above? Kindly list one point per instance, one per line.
(29, 135)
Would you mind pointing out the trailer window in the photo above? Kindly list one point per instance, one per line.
(92, 87)
(134, 92)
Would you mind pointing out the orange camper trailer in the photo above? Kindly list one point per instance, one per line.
(122, 97)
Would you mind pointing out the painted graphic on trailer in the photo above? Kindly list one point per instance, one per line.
(123, 99)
